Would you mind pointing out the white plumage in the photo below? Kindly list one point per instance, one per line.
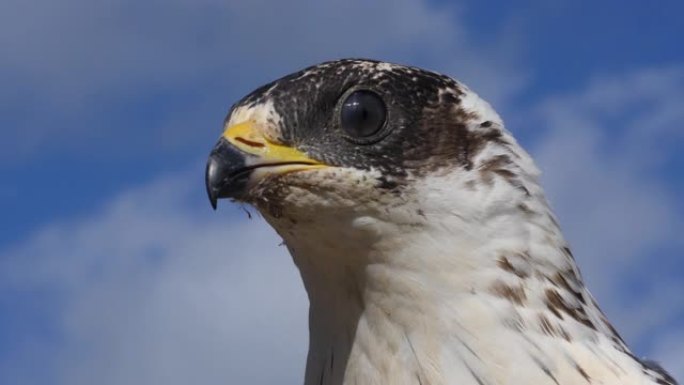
(463, 277)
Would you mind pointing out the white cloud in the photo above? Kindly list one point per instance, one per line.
(604, 152)
(77, 59)
(152, 289)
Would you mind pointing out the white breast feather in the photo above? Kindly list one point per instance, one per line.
(464, 283)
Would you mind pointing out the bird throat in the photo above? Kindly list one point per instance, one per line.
(393, 302)
(414, 304)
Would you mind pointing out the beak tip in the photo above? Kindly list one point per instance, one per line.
(208, 179)
(226, 174)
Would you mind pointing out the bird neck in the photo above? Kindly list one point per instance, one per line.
(424, 300)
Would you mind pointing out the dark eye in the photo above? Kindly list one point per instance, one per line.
(363, 114)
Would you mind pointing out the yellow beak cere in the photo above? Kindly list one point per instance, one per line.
(247, 137)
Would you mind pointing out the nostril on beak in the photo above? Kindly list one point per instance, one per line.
(249, 142)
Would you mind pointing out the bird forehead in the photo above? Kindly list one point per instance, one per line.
(263, 113)
(410, 83)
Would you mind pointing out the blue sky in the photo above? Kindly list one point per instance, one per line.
(112, 265)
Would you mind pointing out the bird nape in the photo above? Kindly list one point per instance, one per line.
(428, 250)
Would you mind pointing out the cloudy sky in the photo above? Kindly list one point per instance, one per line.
(113, 268)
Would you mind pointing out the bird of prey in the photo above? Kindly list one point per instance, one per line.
(426, 245)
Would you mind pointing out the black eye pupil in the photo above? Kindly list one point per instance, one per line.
(363, 114)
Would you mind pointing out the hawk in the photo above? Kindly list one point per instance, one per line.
(425, 242)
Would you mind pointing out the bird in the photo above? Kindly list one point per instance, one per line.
(421, 231)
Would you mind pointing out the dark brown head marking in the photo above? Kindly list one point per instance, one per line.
(427, 128)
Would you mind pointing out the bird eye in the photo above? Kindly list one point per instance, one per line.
(363, 114)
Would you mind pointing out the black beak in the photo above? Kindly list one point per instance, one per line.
(227, 174)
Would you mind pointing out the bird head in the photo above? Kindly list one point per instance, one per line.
(414, 216)
(361, 137)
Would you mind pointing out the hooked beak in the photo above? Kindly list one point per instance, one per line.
(243, 156)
